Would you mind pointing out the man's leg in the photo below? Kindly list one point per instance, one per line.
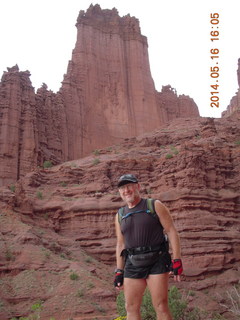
(158, 287)
(133, 292)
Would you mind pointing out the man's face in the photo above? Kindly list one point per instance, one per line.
(129, 192)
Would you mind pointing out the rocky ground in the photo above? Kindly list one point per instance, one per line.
(57, 224)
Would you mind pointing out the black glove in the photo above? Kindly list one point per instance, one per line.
(118, 280)
(176, 267)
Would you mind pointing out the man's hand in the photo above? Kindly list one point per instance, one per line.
(176, 269)
(118, 280)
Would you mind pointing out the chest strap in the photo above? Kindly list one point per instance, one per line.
(130, 213)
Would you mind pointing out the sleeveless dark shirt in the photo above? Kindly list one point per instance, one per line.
(141, 229)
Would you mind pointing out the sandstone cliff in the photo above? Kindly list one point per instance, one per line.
(107, 95)
(234, 104)
(60, 221)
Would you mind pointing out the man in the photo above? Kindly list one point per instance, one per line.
(141, 253)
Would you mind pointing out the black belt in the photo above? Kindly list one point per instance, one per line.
(143, 249)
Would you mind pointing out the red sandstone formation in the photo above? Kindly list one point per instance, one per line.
(18, 141)
(171, 106)
(107, 95)
(235, 101)
(233, 106)
(52, 127)
(60, 221)
(32, 126)
(238, 73)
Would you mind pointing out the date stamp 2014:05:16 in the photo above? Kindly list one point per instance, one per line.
(214, 54)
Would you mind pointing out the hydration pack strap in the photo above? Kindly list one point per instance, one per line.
(130, 213)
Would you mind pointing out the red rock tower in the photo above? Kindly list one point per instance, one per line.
(108, 89)
(18, 143)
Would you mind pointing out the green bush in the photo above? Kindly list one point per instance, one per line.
(47, 164)
(147, 310)
(9, 255)
(169, 156)
(121, 304)
(89, 259)
(237, 142)
(177, 306)
(217, 316)
(37, 306)
(12, 188)
(74, 276)
(80, 293)
(96, 161)
(39, 195)
(96, 152)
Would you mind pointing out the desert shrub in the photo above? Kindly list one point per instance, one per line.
(147, 310)
(237, 142)
(47, 164)
(89, 259)
(233, 300)
(39, 195)
(96, 161)
(177, 305)
(169, 156)
(96, 152)
(80, 293)
(217, 316)
(12, 187)
(121, 305)
(74, 276)
(37, 306)
(9, 255)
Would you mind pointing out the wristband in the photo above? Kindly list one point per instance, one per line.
(118, 271)
(176, 267)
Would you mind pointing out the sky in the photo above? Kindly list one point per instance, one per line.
(39, 36)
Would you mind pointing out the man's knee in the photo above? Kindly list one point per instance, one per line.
(132, 307)
(161, 305)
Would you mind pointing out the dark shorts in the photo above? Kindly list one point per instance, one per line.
(162, 265)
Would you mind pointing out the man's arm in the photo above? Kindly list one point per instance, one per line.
(120, 245)
(168, 225)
